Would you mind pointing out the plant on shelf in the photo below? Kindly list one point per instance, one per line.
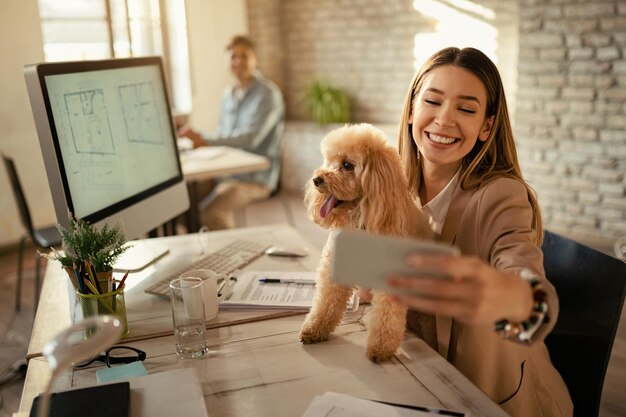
(327, 104)
(83, 242)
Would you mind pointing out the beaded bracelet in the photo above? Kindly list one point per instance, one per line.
(524, 331)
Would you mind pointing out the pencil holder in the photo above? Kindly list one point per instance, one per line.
(111, 303)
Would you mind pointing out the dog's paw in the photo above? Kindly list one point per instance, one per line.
(310, 335)
(379, 354)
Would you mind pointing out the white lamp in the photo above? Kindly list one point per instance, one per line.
(66, 349)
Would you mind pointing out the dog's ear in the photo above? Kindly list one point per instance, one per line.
(386, 202)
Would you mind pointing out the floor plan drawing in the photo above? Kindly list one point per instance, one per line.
(140, 113)
(107, 124)
(89, 122)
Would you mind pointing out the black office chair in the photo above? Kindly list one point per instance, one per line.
(43, 238)
(591, 287)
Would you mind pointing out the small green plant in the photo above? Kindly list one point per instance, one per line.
(82, 241)
(327, 104)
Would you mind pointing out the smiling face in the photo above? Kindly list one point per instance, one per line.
(242, 61)
(448, 117)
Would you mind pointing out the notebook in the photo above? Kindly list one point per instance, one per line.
(112, 400)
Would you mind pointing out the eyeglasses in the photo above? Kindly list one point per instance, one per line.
(115, 355)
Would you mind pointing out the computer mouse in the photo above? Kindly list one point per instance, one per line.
(287, 251)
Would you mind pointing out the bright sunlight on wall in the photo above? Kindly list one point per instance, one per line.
(460, 23)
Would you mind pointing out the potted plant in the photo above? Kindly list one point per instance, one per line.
(89, 249)
(88, 256)
(327, 104)
(82, 241)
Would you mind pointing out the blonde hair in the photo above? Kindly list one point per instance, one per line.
(495, 157)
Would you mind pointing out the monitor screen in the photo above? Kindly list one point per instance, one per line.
(108, 141)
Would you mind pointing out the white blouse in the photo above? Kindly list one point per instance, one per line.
(437, 208)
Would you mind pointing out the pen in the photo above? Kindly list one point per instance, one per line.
(113, 297)
(286, 281)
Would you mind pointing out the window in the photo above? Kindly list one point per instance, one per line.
(101, 29)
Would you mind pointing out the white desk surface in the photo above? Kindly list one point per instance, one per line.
(261, 369)
(149, 315)
(229, 161)
(257, 365)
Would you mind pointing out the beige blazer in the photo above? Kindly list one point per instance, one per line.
(493, 222)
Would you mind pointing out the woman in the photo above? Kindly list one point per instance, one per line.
(493, 313)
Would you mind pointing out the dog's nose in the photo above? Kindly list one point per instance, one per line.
(318, 181)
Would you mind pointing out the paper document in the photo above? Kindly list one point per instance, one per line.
(204, 153)
(151, 395)
(274, 289)
(332, 404)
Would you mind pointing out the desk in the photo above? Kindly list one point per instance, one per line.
(258, 367)
(150, 316)
(225, 161)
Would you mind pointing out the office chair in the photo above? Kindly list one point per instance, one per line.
(620, 248)
(591, 287)
(43, 238)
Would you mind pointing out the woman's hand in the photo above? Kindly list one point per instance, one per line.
(187, 132)
(474, 292)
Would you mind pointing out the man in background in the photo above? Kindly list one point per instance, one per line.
(252, 115)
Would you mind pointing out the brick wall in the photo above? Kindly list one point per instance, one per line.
(265, 25)
(570, 122)
(359, 46)
(567, 93)
(362, 46)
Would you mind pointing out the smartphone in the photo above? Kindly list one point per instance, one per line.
(367, 260)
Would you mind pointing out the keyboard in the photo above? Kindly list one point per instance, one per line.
(231, 257)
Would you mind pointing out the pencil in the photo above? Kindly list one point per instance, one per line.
(81, 288)
(99, 301)
(91, 287)
(123, 279)
(92, 274)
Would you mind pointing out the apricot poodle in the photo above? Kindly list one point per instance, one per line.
(361, 185)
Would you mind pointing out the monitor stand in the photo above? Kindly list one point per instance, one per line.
(140, 255)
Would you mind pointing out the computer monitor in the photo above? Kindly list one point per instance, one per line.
(108, 142)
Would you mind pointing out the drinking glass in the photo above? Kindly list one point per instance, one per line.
(186, 295)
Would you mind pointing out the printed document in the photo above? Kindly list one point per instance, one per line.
(274, 289)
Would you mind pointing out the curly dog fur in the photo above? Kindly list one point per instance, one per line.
(359, 186)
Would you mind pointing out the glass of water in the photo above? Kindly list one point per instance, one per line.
(186, 294)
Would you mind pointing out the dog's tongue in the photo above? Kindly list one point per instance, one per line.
(328, 205)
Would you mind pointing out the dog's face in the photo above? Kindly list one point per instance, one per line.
(337, 188)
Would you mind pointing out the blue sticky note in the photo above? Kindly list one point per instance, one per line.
(120, 372)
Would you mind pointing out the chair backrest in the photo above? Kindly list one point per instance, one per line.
(591, 287)
(19, 194)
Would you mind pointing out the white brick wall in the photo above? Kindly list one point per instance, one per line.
(581, 187)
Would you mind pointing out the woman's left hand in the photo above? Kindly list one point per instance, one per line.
(474, 292)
